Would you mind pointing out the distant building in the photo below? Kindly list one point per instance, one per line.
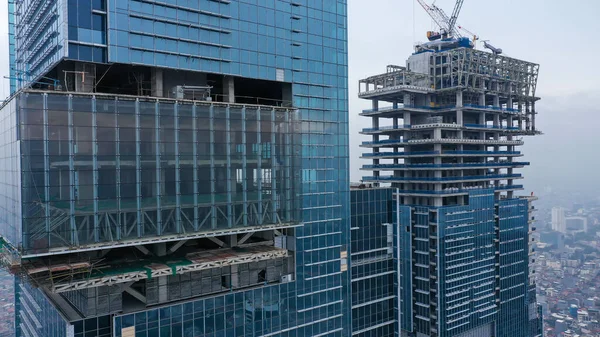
(560, 326)
(558, 220)
(554, 238)
(576, 223)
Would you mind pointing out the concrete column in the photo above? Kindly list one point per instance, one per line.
(374, 125)
(160, 249)
(437, 160)
(407, 100)
(235, 277)
(459, 98)
(528, 121)
(496, 100)
(407, 120)
(482, 99)
(163, 289)
(157, 78)
(533, 116)
(228, 89)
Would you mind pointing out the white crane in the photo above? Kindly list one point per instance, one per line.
(447, 24)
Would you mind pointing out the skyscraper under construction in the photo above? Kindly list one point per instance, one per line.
(445, 135)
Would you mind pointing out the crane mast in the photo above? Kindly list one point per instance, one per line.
(454, 17)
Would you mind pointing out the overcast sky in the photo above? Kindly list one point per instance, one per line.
(559, 35)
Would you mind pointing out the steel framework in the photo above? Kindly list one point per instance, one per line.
(193, 262)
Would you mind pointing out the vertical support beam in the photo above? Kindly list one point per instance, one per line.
(177, 171)
(235, 277)
(95, 169)
(195, 159)
(158, 171)
(229, 89)
(138, 170)
(46, 171)
(72, 196)
(375, 125)
(288, 168)
(213, 191)
(157, 82)
(228, 173)
(259, 167)
(163, 289)
(274, 165)
(533, 116)
(118, 169)
(244, 170)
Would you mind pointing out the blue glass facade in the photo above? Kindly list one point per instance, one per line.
(481, 253)
(515, 285)
(467, 264)
(98, 156)
(373, 277)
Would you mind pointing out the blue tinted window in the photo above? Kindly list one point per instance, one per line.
(98, 4)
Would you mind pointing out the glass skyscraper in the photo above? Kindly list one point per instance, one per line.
(177, 168)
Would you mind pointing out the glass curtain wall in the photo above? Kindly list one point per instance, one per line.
(102, 169)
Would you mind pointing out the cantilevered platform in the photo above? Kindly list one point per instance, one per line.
(85, 275)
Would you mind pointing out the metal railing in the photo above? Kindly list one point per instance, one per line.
(455, 178)
(496, 127)
(457, 165)
(491, 107)
(389, 127)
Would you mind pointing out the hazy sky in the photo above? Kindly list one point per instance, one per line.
(559, 35)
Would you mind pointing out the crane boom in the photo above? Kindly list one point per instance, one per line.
(446, 24)
(454, 17)
(434, 13)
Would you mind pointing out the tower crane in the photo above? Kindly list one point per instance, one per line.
(447, 24)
